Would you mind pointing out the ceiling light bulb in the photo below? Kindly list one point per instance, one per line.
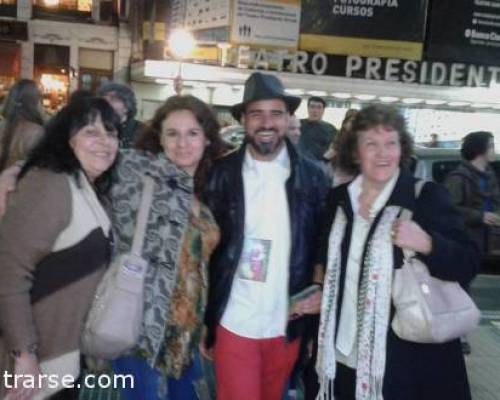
(388, 99)
(181, 43)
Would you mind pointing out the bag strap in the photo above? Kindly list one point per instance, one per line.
(142, 216)
(407, 215)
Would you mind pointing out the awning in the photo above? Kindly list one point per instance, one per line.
(332, 87)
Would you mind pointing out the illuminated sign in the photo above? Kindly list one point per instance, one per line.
(373, 68)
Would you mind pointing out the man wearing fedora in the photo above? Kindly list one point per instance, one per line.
(267, 201)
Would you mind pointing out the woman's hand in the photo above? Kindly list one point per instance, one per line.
(202, 346)
(409, 235)
(26, 378)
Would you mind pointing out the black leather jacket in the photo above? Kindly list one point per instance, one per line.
(306, 191)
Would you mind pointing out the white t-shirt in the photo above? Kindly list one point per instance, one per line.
(258, 303)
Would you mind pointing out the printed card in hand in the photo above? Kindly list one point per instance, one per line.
(303, 294)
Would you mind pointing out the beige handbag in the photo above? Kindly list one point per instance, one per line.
(115, 318)
(429, 310)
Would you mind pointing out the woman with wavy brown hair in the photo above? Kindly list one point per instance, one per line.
(178, 148)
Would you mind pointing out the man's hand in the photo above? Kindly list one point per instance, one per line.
(491, 219)
(309, 305)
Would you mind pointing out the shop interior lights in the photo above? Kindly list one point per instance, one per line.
(365, 97)
(50, 83)
(411, 100)
(480, 105)
(295, 92)
(388, 99)
(51, 3)
(435, 102)
(458, 104)
(341, 95)
(317, 93)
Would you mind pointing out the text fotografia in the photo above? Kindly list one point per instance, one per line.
(373, 68)
(360, 8)
(53, 381)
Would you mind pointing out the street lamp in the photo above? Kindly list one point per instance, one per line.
(181, 43)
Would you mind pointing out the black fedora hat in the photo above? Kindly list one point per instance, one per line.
(261, 86)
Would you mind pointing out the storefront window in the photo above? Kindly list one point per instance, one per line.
(96, 68)
(62, 8)
(10, 54)
(8, 8)
(93, 79)
(52, 73)
(54, 90)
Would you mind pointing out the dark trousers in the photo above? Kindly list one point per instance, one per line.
(345, 383)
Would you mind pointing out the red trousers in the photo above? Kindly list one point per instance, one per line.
(252, 369)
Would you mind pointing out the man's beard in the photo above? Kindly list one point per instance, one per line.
(265, 149)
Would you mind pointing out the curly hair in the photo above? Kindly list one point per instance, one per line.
(54, 152)
(368, 118)
(149, 140)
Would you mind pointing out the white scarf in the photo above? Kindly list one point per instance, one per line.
(374, 302)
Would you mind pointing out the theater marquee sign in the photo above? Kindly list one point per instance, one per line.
(375, 68)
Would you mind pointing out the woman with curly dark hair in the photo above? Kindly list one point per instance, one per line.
(359, 355)
(178, 148)
(54, 247)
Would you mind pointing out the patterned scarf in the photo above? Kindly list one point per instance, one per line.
(166, 227)
(374, 300)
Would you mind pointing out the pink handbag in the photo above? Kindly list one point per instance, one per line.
(429, 310)
(115, 317)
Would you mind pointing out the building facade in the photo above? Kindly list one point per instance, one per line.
(64, 45)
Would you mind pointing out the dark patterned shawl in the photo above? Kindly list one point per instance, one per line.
(167, 222)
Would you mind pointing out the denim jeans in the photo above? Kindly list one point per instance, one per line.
(147, 381)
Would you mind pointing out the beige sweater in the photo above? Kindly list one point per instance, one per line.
(53, 250)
